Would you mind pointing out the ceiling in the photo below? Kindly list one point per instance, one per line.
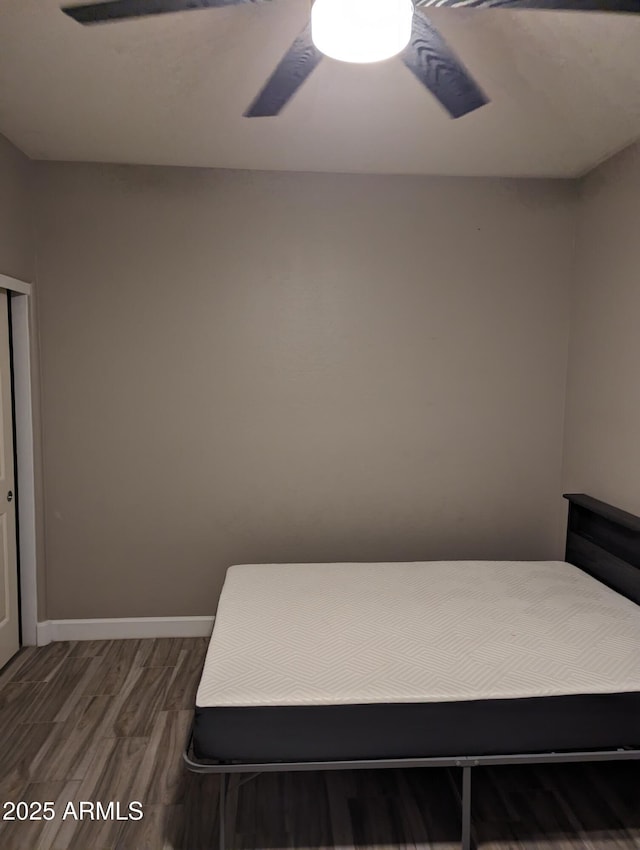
(171, 90)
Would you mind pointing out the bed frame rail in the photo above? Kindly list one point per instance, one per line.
(466, 763)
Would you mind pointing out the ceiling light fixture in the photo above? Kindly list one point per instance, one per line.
(361, 30)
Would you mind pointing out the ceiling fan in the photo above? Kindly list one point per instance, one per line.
(360, 31)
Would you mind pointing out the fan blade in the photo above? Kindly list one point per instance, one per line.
(115, 10)
(434, 64)
(290, 73)
(628, 6)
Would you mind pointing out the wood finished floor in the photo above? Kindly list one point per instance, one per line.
(107, 720)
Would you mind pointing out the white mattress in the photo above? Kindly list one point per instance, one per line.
(353, 633)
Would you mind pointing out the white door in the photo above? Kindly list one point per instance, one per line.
(9, 615)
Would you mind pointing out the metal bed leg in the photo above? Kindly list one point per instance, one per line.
(466, 808)
(222, 813)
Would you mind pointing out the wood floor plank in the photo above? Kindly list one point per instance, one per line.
(58, 695)
(48, 835)
(439, 806)
(109, 779)
(145, 648)
(23, 834)
(159, 830)
(198, 829)
(75, 692)
(89, 648)
(412, 815)
(133, 673)
(14, 664)
(234, 784)
(19, 752)
(274, 825)
(64, 838)
(38, 834)
(586, 808)
(138, 711)
(617, 785)
(182, 693)
(43, 665)
(161, 776)
(165, 652)
(544, 821)
(72, 744)
(307, 823)
(17, 702)
(12, 794)
(371, 819)
(339, 813)
(500, 783)
(114, 667)
(488, 804)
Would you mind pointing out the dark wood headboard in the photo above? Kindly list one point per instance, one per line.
(605, 542)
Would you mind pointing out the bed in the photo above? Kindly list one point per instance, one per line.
(331, 666)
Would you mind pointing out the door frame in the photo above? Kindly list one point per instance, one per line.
(20, 293)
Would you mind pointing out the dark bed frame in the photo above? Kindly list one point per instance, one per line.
(601, 540)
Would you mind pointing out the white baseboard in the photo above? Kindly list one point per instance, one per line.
(43, 633)
(123, 627)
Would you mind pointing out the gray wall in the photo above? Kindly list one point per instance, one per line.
(17, 259)
(16, 237)
(602, 440)
(278, 367)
